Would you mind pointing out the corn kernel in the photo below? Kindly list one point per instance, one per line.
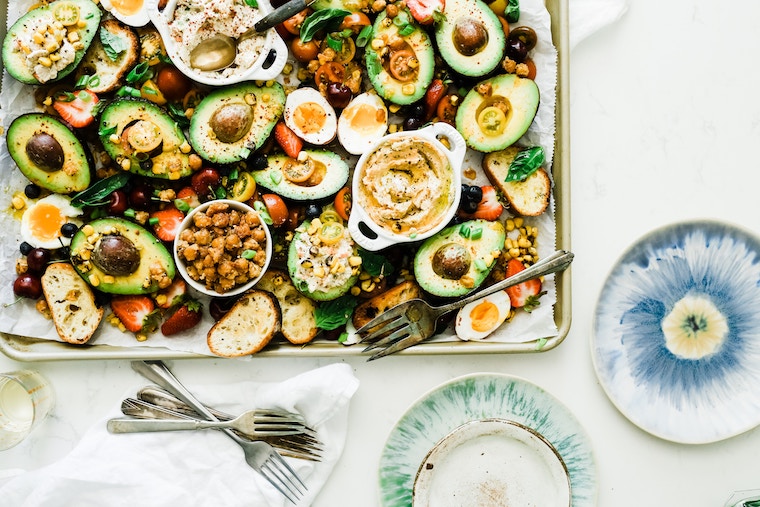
(408, 89)
(125, 164)
(38, 38)
(51, 46)
(108, 279)
(18, 202)
(364, 276)
(319, 272)
(287, 69)
(78, 46)
(394, 108)
(265, 97)
(250, 99)
(377, 43)
(45, 61)
(54, 57)
(88, 229)
(185, 147)
(81, 23)
(85, 254)
(141, 337)
(73, 37)
(307, 265)
(94, 280)
(519, 222)
(354, 261)
(355, 291)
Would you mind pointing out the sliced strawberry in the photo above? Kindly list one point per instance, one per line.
(186, 316)
(489, 207)
(135, 312)
(190, 197)
(525, 295)
(290, 143)
(426, 12)
(77, 109)
(172, 295)
(167, 225)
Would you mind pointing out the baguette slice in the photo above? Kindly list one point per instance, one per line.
(71, 302)
(530, 197)
(248, 327)
(376, 305)
(110, 72)
(299, 326)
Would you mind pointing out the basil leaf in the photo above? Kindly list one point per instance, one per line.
(95, 195)
(321, 20)
(364, 36)
(375, 264)
(525, 163)
(112, 44)
(334, 314)
(252, 3)
(512, 11)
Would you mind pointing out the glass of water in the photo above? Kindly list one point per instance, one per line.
(26, 398)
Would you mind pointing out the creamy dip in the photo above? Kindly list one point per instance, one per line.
(406, 185)
(198, 20)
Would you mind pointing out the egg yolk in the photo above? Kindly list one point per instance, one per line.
(309, 117)
(45, 221)
(484, 316)
(127, 7)
(365, 119)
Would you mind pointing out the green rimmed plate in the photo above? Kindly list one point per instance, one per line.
(478, 397)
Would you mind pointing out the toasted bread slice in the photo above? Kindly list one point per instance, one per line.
(297, 311)
(96, 61)
(71, 303)
(376, 305)
(248, 327)
(530, 197)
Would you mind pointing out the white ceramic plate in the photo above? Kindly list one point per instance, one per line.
(491, 460)
(676, 342)
(478, 397)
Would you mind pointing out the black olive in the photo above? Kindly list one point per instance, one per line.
(69, 229)
(412, 123)
(25, 248)
(146, 165)
(45, 151)
(32, 191)
(116, 255)
(257, 162)
(517, 50)
(313, 211)
(417, 111)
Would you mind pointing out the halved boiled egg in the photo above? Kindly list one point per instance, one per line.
(42, 221)
(480, 318)
(129, 12)
(362, 122)
(310, 116)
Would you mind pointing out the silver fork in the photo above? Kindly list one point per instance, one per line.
(260, 456)
(414, 321)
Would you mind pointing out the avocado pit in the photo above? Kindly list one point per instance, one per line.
(116, 255)
(451, 261)
(469, 36)
(45, 151)
(231, 122)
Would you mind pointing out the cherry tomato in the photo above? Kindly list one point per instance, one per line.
(492, 120)
(330, 233)
(447, 108)
(298, 172)
(355, 22)
(277, 208)
(531, 68)
(400, 67)
(293, 23)
(304, 51)
(343, 203)
(243, 188)
(172, 83)
(331, 72)
(345, 53)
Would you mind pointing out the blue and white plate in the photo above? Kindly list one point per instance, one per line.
(676, 342)
(479, 397)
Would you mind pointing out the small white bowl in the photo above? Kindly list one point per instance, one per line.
(200, 287)
(373, 236)
(257, 71)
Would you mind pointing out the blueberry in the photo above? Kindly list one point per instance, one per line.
(469, 206)
(475, 193)
(146, 165)
(313, 211)
(258, 162)
(32, 191)
(69, 229)
(412, 123)
(417, 111)
(25, 248)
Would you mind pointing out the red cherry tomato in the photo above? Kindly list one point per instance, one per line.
(293, 23)
(355, 22)
(331, 72)
(172, 83)
(304, 51)
(447, 108)
(278, 210)
(343, 203)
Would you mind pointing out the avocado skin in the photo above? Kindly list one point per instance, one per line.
(152, 251)
(265, 115)
(383, 82)
(492, 239)
(293, 262)
(122, 113)
(336, 176)
(14, 58)
(486, 59)
(523, 97)
(77, 156)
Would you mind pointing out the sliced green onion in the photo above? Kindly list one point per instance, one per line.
(65, 97)
(334, 43)
(464, 230)
(138, 73)
(245, 152)
(248, 254)
(107, 131)
(153, 220)
(275, 177)
(476, 233)
(406, 30)
(364, 36)
(82, 82)
(93, 82)
(129, 213)
(261, 208)
(401, 19)
(252, 3)
(181, 205)
(480, 265)
(234, 174)
(220, 193)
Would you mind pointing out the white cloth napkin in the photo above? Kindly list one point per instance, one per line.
(192, 468)
(588, 16)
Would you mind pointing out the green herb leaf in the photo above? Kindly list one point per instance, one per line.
(375, 264)
(364, 36)
(112, 44)
(178, 114)
(100, 190)
(107, 131)
(325, 19)
(525, 163)
(334, 314)
(512, 11)
(138, 73)
(252, 3)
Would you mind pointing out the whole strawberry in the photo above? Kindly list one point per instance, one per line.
(186, 316)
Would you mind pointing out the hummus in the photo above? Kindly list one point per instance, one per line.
(406, 185)
(197, 20)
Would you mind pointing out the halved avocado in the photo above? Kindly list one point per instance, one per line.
(320, 175)
(470, 37)
(23, 56)
(349, 5)
(144, 134)
(400, 71)
(230, 123)
(307, 262)
(120, 257)
(457, 259)
(497, 112)
(48, 152)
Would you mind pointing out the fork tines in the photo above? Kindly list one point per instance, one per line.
(280, 475)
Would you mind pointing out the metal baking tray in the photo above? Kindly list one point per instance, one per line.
(23, 348)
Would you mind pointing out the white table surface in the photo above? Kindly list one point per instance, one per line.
(665, 117)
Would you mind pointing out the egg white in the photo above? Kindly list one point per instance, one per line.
(464, 325)
(67, 211)
(356, 141)
(302, 96)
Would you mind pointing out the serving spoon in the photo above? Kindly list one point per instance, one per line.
(219, 51)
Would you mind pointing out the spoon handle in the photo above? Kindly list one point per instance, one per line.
(280, 14)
